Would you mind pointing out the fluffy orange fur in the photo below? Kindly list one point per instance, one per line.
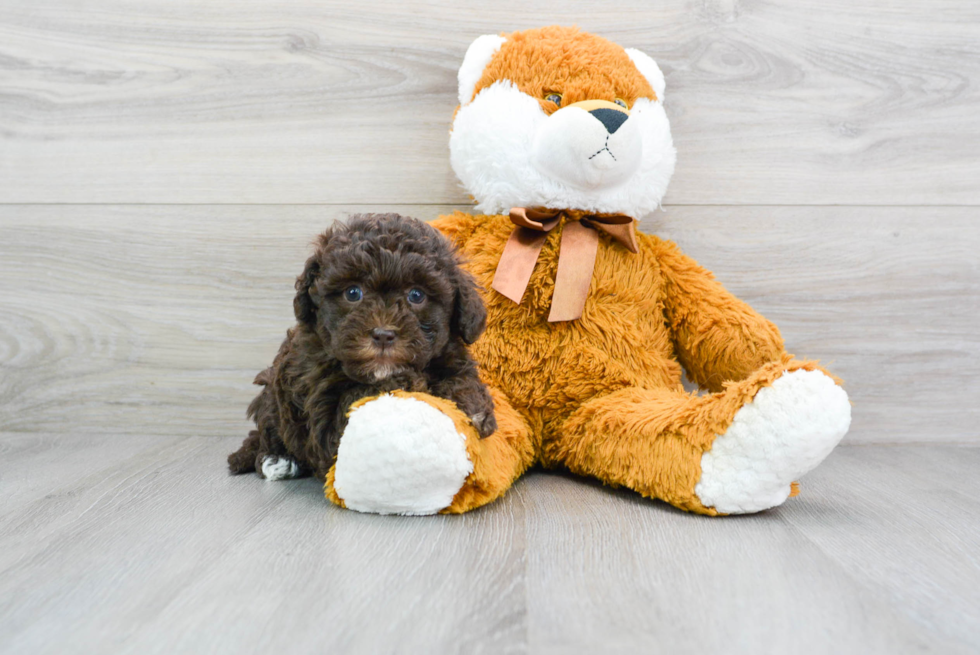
(602, 395)
(581, 66)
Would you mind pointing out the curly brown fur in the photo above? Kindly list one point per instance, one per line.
(362, 329)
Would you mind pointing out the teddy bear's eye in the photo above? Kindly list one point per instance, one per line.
(554, 97)
(353, 293)
(621, 103)
(416, 296)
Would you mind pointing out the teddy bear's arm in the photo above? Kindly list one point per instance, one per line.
(717, 336)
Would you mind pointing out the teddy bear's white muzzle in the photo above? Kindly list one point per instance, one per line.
(587, 150)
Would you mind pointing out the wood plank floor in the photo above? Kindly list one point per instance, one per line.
(147, 545)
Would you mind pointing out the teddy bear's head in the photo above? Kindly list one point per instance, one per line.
(559, 118)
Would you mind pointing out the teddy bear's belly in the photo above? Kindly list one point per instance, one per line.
(551, 368)
(554, 367)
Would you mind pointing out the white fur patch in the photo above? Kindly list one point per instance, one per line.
(279, 468)
(478, 55)
(492, 147)
(400, 456)
(383, 372)
(785, 432)
(648, 68)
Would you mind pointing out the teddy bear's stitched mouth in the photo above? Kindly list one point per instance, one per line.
(605, 148)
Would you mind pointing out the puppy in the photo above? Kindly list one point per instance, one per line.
(381, 305)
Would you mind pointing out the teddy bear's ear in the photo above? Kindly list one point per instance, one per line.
(478, 55)
(648, 68)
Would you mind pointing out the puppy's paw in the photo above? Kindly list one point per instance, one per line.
(400, 455)
(279, 468)
(485, 423)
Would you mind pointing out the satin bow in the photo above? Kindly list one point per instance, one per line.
(576, 259)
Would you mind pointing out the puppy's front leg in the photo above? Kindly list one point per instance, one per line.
(472, 397)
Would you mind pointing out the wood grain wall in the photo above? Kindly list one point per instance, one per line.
(164, 165)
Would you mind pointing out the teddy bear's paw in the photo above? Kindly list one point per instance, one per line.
(279, 468)
(399, 455)
(786, 431)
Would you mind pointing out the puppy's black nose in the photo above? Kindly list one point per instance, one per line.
(382, 337)
(610, 118)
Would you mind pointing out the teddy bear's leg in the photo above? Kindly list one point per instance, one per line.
(735, 451)
(413, 453)
(497, 460)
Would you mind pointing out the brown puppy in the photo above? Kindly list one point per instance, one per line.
(381, 305)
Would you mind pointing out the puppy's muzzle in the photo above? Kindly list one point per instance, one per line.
(383, 338)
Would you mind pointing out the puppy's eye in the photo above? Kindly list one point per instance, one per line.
(554, 97)
(621, 103)
(416, 296)
(353, 293)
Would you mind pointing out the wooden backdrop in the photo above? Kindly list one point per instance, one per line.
(164, 165)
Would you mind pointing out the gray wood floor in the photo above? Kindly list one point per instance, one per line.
(144, 545)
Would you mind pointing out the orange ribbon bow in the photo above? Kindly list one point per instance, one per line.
(576, 259)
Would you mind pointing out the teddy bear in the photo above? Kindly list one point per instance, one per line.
(562, 139)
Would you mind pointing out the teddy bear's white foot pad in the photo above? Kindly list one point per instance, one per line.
(786, 431)
(400, 455)
(279, 468)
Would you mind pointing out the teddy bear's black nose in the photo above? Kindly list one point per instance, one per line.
(610, 118)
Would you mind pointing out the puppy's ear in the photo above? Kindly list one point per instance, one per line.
(469, 314)
(303, 304)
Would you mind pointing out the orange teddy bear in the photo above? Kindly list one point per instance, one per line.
(562, 139)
